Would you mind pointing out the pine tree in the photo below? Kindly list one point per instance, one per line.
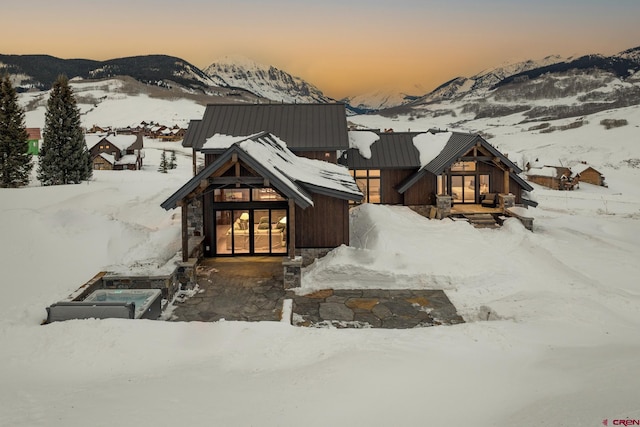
(163, 162)
(173, 162)
(64, 157)
(15, 161)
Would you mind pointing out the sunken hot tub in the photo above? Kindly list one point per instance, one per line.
(147, 302)
(109, 304)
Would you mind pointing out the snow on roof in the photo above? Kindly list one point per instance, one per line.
(549, 171)
(108, 157)
(580, 167)
(129, 159)
(122, 142)
(274, 155)
(429, 145)
(362, 140)
(222, 142)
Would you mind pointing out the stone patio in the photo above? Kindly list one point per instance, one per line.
(251, 289)
(376, 308)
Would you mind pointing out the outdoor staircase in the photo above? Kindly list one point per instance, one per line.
(481, 220)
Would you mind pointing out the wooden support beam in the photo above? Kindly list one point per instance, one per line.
(291, 226)
(193, 160)
(506, 182)
(185, 233)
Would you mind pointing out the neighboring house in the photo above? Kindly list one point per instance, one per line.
(33, 138)
(172, 134)
(554, 177)
(585, 173)
(273, 169)
(115, 152)
(413, 168)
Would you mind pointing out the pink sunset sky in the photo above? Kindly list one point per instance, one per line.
(343, 47)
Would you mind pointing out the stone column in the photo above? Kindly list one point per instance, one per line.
(507, 200)
(443, 205)
(292, 272)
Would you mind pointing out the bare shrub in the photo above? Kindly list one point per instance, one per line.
(613, 123)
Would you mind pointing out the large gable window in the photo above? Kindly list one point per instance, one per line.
(247, 195)
(368, 181)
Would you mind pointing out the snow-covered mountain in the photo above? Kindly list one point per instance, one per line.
(379, 100)
(480, 83)
(263, 80)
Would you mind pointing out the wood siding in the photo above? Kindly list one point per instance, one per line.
(591, 176)
(422, 192)
(546, 181)
(324, 225)
(389, 181)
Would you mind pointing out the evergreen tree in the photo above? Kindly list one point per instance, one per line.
(15, 161)
(64, 157)
(163, 162)
(173, 162)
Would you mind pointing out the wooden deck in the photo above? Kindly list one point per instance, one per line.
(461, 209)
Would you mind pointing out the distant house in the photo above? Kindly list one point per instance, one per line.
(172, 134)
(115, 152)
(585, 173)
(554, 177)
(33, 138)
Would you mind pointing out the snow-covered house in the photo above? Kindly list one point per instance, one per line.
(237, 184)
(115, 152)
(271, 184)
(414, 168)
(554, 177)
(586, 173)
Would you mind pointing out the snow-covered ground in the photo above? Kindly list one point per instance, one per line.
(560, 346)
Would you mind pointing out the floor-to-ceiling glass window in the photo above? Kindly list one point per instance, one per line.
(368, 181)
(250, 221)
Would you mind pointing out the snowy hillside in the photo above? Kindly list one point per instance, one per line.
(551, 333)
(117, 103)
(265, 81)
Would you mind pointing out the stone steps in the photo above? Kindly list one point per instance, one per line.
(482, 220)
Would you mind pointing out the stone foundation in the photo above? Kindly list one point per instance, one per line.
(443, 205)
(309, 255)
(292, 272)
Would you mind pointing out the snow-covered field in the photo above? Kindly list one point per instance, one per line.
(561, 344)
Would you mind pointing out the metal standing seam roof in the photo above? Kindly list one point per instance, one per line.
(190, 133)
(314, 127)
(291, 188)
(392, 151)
(458, 145)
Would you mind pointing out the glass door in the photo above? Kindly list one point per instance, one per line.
(463, 188)
(251, 231)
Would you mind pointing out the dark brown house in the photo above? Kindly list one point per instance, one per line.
(463, 166)
(115, 152)
(269, 169)
(279, 178)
